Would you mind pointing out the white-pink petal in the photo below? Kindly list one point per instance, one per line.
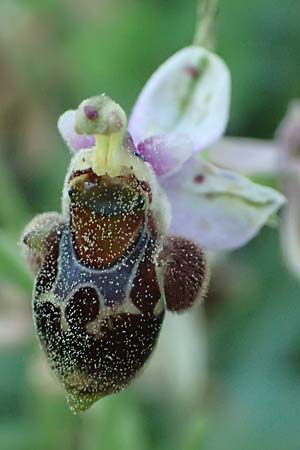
(188, 95)
(288, 138)
(290, 230)
(75, 141)
(219, 209)
(288, 132)
(166, 154)
(245, 155)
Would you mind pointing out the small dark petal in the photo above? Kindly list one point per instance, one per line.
(185, 273)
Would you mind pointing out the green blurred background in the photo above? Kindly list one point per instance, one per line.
(234, 380)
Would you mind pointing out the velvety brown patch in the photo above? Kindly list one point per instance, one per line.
(185, 272)
(106, 363)
(145, 292)
(47, 318)
(106, 217)
(83, 307)
(102, 241)
(47, 275)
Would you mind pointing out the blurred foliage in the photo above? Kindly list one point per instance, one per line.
(54, 53)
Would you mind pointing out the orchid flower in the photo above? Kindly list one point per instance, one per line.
(279, 157)
(182, 110)
(122, 252)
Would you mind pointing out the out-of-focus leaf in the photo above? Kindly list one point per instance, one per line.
(13, 208)
(125, 413)
(12, 265)
(196, 434)
(257, 359)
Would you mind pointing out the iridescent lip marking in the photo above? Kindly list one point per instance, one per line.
(111, 282)
(107, 199)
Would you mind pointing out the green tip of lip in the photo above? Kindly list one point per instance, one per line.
(79, 403)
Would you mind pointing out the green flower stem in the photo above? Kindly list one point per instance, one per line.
(205, 27)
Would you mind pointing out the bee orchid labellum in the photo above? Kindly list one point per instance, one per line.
(106, 268)
(115, 259)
